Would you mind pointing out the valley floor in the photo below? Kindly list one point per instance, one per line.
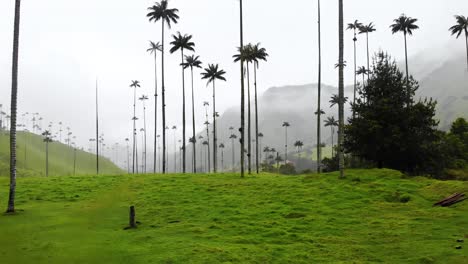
(372, 216)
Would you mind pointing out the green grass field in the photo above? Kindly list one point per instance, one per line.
(31, 158)
(372, 216)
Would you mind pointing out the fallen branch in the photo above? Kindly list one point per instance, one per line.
(451, 200)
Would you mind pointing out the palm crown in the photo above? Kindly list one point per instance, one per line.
(259, 53)
(330, 121)
(245, 53)
(286, 124)
(212, 73)
(460, 27)
(404, 24)
(355, 25)
(367, 28)
(135, 84)
(154, 47)
(182, 42)
(192, 61)
(160, 11)
(362, 70)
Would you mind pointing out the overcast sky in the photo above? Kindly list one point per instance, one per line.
(66, 44)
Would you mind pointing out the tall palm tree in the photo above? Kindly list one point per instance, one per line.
(213, 73)
(193, 62)
(135, 85)
(174, 128)
(233, 137)
(205, 143)
(246, 54)
(128, 155)
(460, 27)
(266, 150)
(362, 70)
(47, 139)
(341, 65)
(221, 146)
(286, 125)
(14, 100)
(355, 26)
(298, 144)
(242, 110)
(182, 42)
(258, 54)
(160, 11)
(366, 29)
(207, 124)
(406, 25)
(200, 139)
(260, 137)
(143, 98)
(319, 89)
(154, 48)
(332, 123)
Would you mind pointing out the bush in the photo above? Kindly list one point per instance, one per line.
(287, 169)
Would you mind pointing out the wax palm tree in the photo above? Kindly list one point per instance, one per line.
(207, 144)
(319, 89)
(200, 139)
(233, 138)
(154, 48)
(460, 27)
(246, 54)
(356, 25)
(128, 155)
(341, 65)
(143, 98)
(135, 85)
(193, 62)
(213, 73)
(259, 141)
(406, 25)
(298, 144)
(242, 110)
(332, 123)
(258, 54)
(366, 29)
(221, 146)
(47, 139)
(14, 100)
(174, 129)
(266, 150)
(286, 125)
(207, 124)
(362, 70)
(160, 11)
(182, 42)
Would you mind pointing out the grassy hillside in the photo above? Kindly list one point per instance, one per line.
(372, 216)
(31, 158)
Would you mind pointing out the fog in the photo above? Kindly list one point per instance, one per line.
(67, 45)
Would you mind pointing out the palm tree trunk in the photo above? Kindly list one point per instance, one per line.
(466, 42)
(256, 120)
(341, 91)
(163, 102)
(134, 131)
(74, 162)
(194, 162)
(144, 127)
(319, 125)
(286, 145)
(215, 147)
(183, 115)
(222, 160)
(97, 130)
(208, 140)
(233, 156)
(155, 110)
(333, 143)
(368, 56)
(407, 72)
(242, 128)
(249, 124)
(355, 74)
(47, 158)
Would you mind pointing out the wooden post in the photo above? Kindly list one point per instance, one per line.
(132, 217)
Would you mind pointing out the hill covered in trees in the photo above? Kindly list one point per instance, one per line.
(31, 158)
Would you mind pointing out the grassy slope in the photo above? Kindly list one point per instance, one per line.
(31, 158)
(224, 219)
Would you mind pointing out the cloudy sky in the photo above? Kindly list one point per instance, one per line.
(66, 45)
